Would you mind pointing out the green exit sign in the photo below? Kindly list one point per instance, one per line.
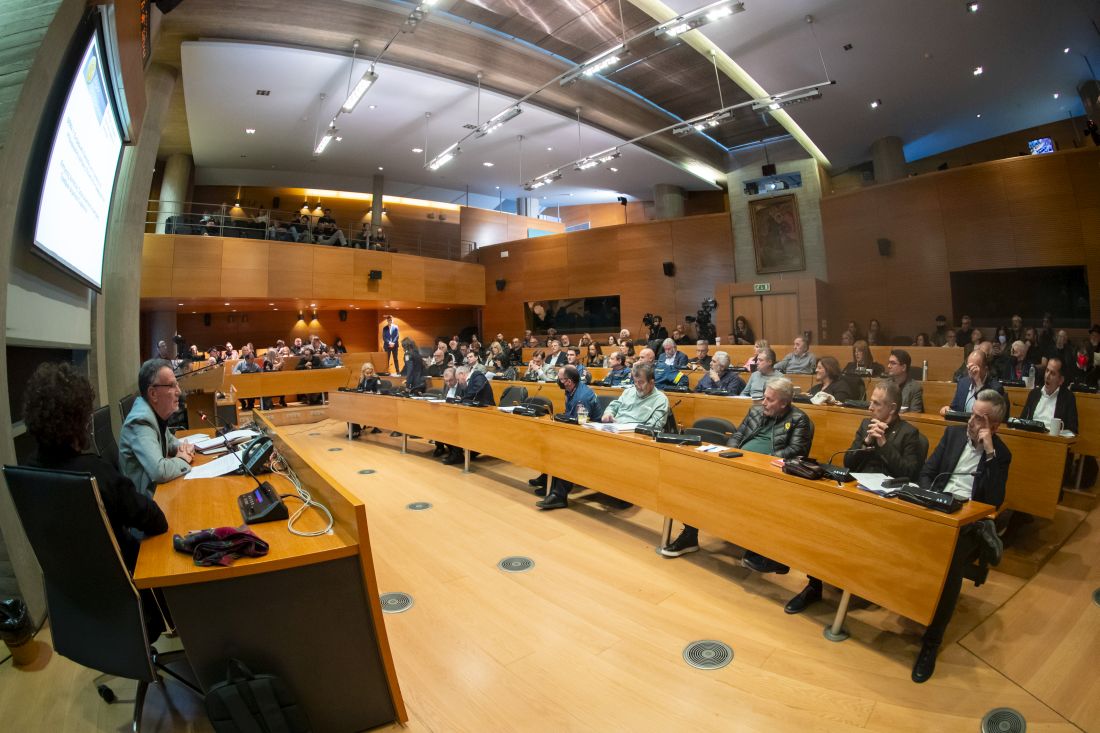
(761, 287)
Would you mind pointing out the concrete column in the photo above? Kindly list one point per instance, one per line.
(377, 203)
(173, 188)
(162, 327)
(888, 158)
(527, 206)
(668, 201)
(125, 237)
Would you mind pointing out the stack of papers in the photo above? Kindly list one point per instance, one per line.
(873, 482)
(228, 463)
(614, 427)
(219, 444)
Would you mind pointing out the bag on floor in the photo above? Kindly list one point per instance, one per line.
(253, 703)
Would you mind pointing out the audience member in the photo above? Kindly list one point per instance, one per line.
(437, 364)
(247, 365)
(556, 357)
(962, 333)
(515, 353)
(1015, 332)
(939, 336)
(830, 382)
(742, 333)
(1049, 400)
(413, 371)
(594, 355)
(799, 361)
(702, 356)
(765, 370)
(951, 338)
(874, 333)
(863, 362)
(719, 376)
(331, 360)
(671, 356)
(535, 367)
(618, 372)
(977, 380)
(577, 393)
(338, 345)
(922, 340)
(573, 359)
(149, 453)
(657, 331)
(911, 397)
(1014, 366)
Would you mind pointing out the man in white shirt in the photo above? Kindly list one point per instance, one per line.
(1051, 400)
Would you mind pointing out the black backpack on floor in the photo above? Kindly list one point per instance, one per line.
(253, 703)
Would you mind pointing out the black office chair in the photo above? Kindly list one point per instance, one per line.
(858, 388)
(103, 435)
(385, 386)
(125, 404)
(96, 613)
(513, 395)
(712, 429)
(923, 442)
(541, 401)
(605, 400)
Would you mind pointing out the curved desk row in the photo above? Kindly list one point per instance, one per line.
(890, 552)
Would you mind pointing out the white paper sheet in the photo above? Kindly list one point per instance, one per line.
(228, 463)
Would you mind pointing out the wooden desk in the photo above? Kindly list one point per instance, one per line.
(308, 611)
(1033, 486)
(890, 552)
(273, 384)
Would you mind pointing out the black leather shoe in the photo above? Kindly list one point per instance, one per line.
(453, 458)
(762, 564)
(439, 450)
(926, 662)
(553, 501)
(801, 602)
(540, 491)
(538, 481)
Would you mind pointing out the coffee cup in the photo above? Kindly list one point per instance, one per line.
(1054, 426)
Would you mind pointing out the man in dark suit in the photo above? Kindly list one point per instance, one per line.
(577, 393)
(970, 462)
(390, 339)
(978, 379)
(556, 357)
(472, 385)
(1049, 400)
(883, 444)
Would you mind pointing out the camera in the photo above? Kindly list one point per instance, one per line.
(704, 324)
(647, 319)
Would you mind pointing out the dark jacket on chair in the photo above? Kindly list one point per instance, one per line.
(792, 433)
(991, 475)
(1065, 407)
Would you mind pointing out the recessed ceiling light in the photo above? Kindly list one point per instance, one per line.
(876, 103)
(549, 148)
(312, 305)
(487, 164)
(498, 188)
(418, 150)
(339, 138)
(972, 7)
(194, 312)
(1056, 95)
(372, 106)
(978, 71)
(227, 303)
(274, 309)
(979, 115)
(1065, 50)
(381, 168)
(613, 170)
(250, 131)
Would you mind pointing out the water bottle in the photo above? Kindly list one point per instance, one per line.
(582, 414)
(924, 371)
(1031, 377)
(717, 340)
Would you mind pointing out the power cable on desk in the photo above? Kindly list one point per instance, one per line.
(280, 467)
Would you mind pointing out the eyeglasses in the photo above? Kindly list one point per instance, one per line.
(173, 385)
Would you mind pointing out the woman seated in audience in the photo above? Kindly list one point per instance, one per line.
(585, 340)
(847, 339)
(627, 347)
(922, 340)
(862, 361)
(760, 345)
(368, 382)
(1001, 344)
(742, 332)
(496, 360)
(830, 382)
(874, 333)
(595, 357)
(338, 344)
(305, 231)
(57, 412)
(853, 329)
(230, 352)
(612, 342)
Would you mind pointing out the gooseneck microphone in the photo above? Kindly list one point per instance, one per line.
(861, 449)
(932, 483)
(244, 468)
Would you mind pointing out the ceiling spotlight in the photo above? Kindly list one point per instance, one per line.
(381, 168)
(876, 104)
(327, 138)
(1065, 50)
(594, 65)
(487, 164)
(250, 131)
(495, 122)
(358, 91)
(1056, 95)
(339, 138)
(613, 170)
(548, 149)
(780, 101)
(418, 150)
(372, 106)
(972, 7)
(979, 115)
(698, 18)
(445, 157)
(978, 71)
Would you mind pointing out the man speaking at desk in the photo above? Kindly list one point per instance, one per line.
(577, 393)
(971, 462)
(148, 453)
(774, 428)
(883, 444)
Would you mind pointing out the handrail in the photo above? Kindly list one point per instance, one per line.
(248, 222)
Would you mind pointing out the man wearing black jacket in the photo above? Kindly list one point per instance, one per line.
(970, 462)
(1051, 400)
(883, 444)
(473, 386)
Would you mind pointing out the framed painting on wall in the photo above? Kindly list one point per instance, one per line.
(777, 234)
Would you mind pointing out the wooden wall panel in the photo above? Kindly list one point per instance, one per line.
(1029, 211)
(363, 288)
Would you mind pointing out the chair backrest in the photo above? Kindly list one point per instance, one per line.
(710, 436)
(25, 447)
(923, 447)
(858, 388)
(715, 424)
(95, 610)
(103, 435)
(385, 386)
(513, 396)
(536, 400)
(125, 404)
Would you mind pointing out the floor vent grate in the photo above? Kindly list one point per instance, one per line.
(418, 506)
(396, 602)
(1003, 720)
(516, 564)
(708, 654)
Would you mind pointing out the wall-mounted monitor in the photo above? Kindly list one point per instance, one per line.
(70, 226)
(1040, 146)
(573, 315)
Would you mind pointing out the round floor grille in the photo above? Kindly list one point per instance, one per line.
(516, 564)
(396, 602)
(418, 506)
(708, 654)
(1003, 720)
(333, 450)
(314, 435)
(1096, 596)
(366, 471)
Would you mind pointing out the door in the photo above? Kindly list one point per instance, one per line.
(772, 316)
(749, 307)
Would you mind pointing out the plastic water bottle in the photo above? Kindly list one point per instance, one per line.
(924, 371)
(717, 340)
(582, 414)
(1031, 377)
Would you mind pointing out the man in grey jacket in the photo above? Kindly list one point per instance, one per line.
(799, 361)
(148, 453)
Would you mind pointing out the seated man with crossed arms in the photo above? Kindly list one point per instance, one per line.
(774, 428)
(883, 443)
(721, 377)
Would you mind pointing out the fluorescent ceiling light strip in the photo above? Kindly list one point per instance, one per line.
(360, 89)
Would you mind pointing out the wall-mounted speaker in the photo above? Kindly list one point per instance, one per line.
(669, 268)
(500, 284)
(884, 246)
(343, 315)
(275, 201)
(768, 169)
(375, 275)
(206, 319)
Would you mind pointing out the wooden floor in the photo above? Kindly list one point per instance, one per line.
(591, 638)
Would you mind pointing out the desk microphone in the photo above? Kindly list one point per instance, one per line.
(949, 473)
(206, 419)
(861, 449)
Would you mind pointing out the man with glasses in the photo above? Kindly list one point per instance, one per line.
(148, 453)
(912, 393)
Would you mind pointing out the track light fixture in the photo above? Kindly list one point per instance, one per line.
(594, 65)
(595, 160)
(699, 18)
(444, 158)
(495, 122)
(417, 15)
(358, 91)
(778, 101)
(327, 138)
(709, 122)
(544, 180)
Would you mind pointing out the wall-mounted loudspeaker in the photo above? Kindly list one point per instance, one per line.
(884, 246)
(669, 268)
(206, 319)
(275, 201)
(343, 315)
(375, 275)
(768, 169)
(500, 284)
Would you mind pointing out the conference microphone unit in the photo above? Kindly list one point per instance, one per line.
(262, 504)
(839, 473)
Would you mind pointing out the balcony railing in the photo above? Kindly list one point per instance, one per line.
(220, 220)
